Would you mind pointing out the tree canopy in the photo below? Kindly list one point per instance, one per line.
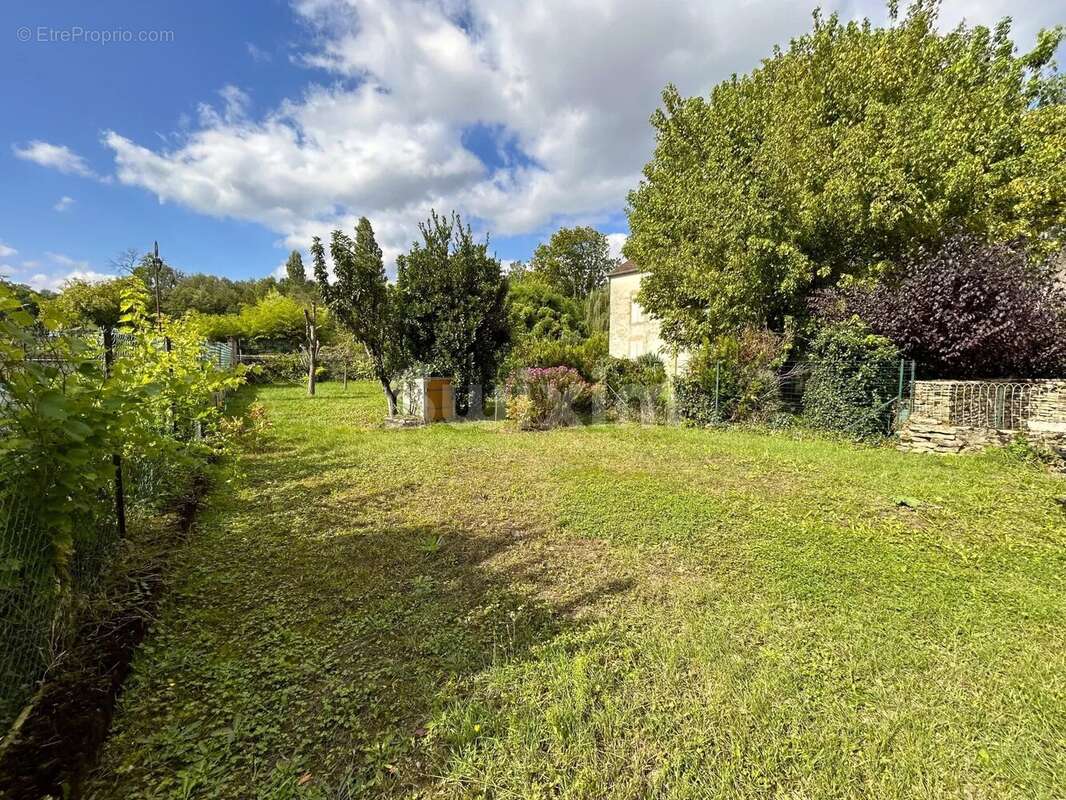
(538, 310)
(275, 320)
(966, 310)
(839, 156)
(575, 261)
(454, 309)
(99, 304)
(362, 301)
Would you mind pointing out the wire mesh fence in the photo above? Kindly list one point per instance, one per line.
(36, 601)
(859, 398)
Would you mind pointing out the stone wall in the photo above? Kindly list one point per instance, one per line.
(960, 416)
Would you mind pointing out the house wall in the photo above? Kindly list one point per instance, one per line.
(632, 332)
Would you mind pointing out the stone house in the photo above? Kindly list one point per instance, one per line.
(633, 332)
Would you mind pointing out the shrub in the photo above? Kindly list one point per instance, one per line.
(547, 398)
(693, 402)
(277, 368)
(853, 377)
(966, 310)
(634, 386)
(583, 356)
(741, 371)
(537, 310)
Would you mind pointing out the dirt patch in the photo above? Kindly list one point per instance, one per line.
(58, 740)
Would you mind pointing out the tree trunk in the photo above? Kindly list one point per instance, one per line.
(311, 329)
(345, 376)
(390, 396)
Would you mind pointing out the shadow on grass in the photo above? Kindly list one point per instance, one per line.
(314, 642)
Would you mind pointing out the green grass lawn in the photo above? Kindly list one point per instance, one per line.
(605, 612)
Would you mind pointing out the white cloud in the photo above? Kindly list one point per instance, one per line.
(615, 241)
(257, 53)
(6, 251)
(63, 269)
(56, 281)
(66, 261)
(566, 86)
(55, 156)
(63, 203)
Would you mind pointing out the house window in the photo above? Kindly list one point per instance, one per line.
(636, 348)
(636, 313)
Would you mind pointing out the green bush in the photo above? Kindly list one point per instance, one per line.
(550, 397)
(693, 403)
(634, 386)
(584, 356)
(741, 371)
(854, 376)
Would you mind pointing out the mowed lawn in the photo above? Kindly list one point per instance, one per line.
(605, 612)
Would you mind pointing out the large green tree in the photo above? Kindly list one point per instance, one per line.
(294, 269)
(537, 310)
(85, 304)
(838, 157)
(453, 296)
(362, 301)
(575, 261)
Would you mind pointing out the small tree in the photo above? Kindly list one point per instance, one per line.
(966, 309)
(574, 260)
(454, 301)
(362, 301)
(311, 346)
(346, 355)
(91, 304)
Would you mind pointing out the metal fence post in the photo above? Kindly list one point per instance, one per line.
(717, 382)
(899, 392)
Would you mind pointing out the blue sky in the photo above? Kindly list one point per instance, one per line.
(255, 125)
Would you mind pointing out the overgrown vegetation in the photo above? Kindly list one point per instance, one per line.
(854, 378)
(607, 611)
(836, 159)
(79, 409)
(737, 378)
(540, 398)
(966, 309)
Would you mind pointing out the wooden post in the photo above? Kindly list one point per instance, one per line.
(311, 331)
(116, 458)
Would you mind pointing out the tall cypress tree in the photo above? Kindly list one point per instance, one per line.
(294, 269)
(362, 301)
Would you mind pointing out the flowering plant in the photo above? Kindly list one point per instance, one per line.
(546, 397)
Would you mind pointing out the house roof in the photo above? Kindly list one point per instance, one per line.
(625, 268)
